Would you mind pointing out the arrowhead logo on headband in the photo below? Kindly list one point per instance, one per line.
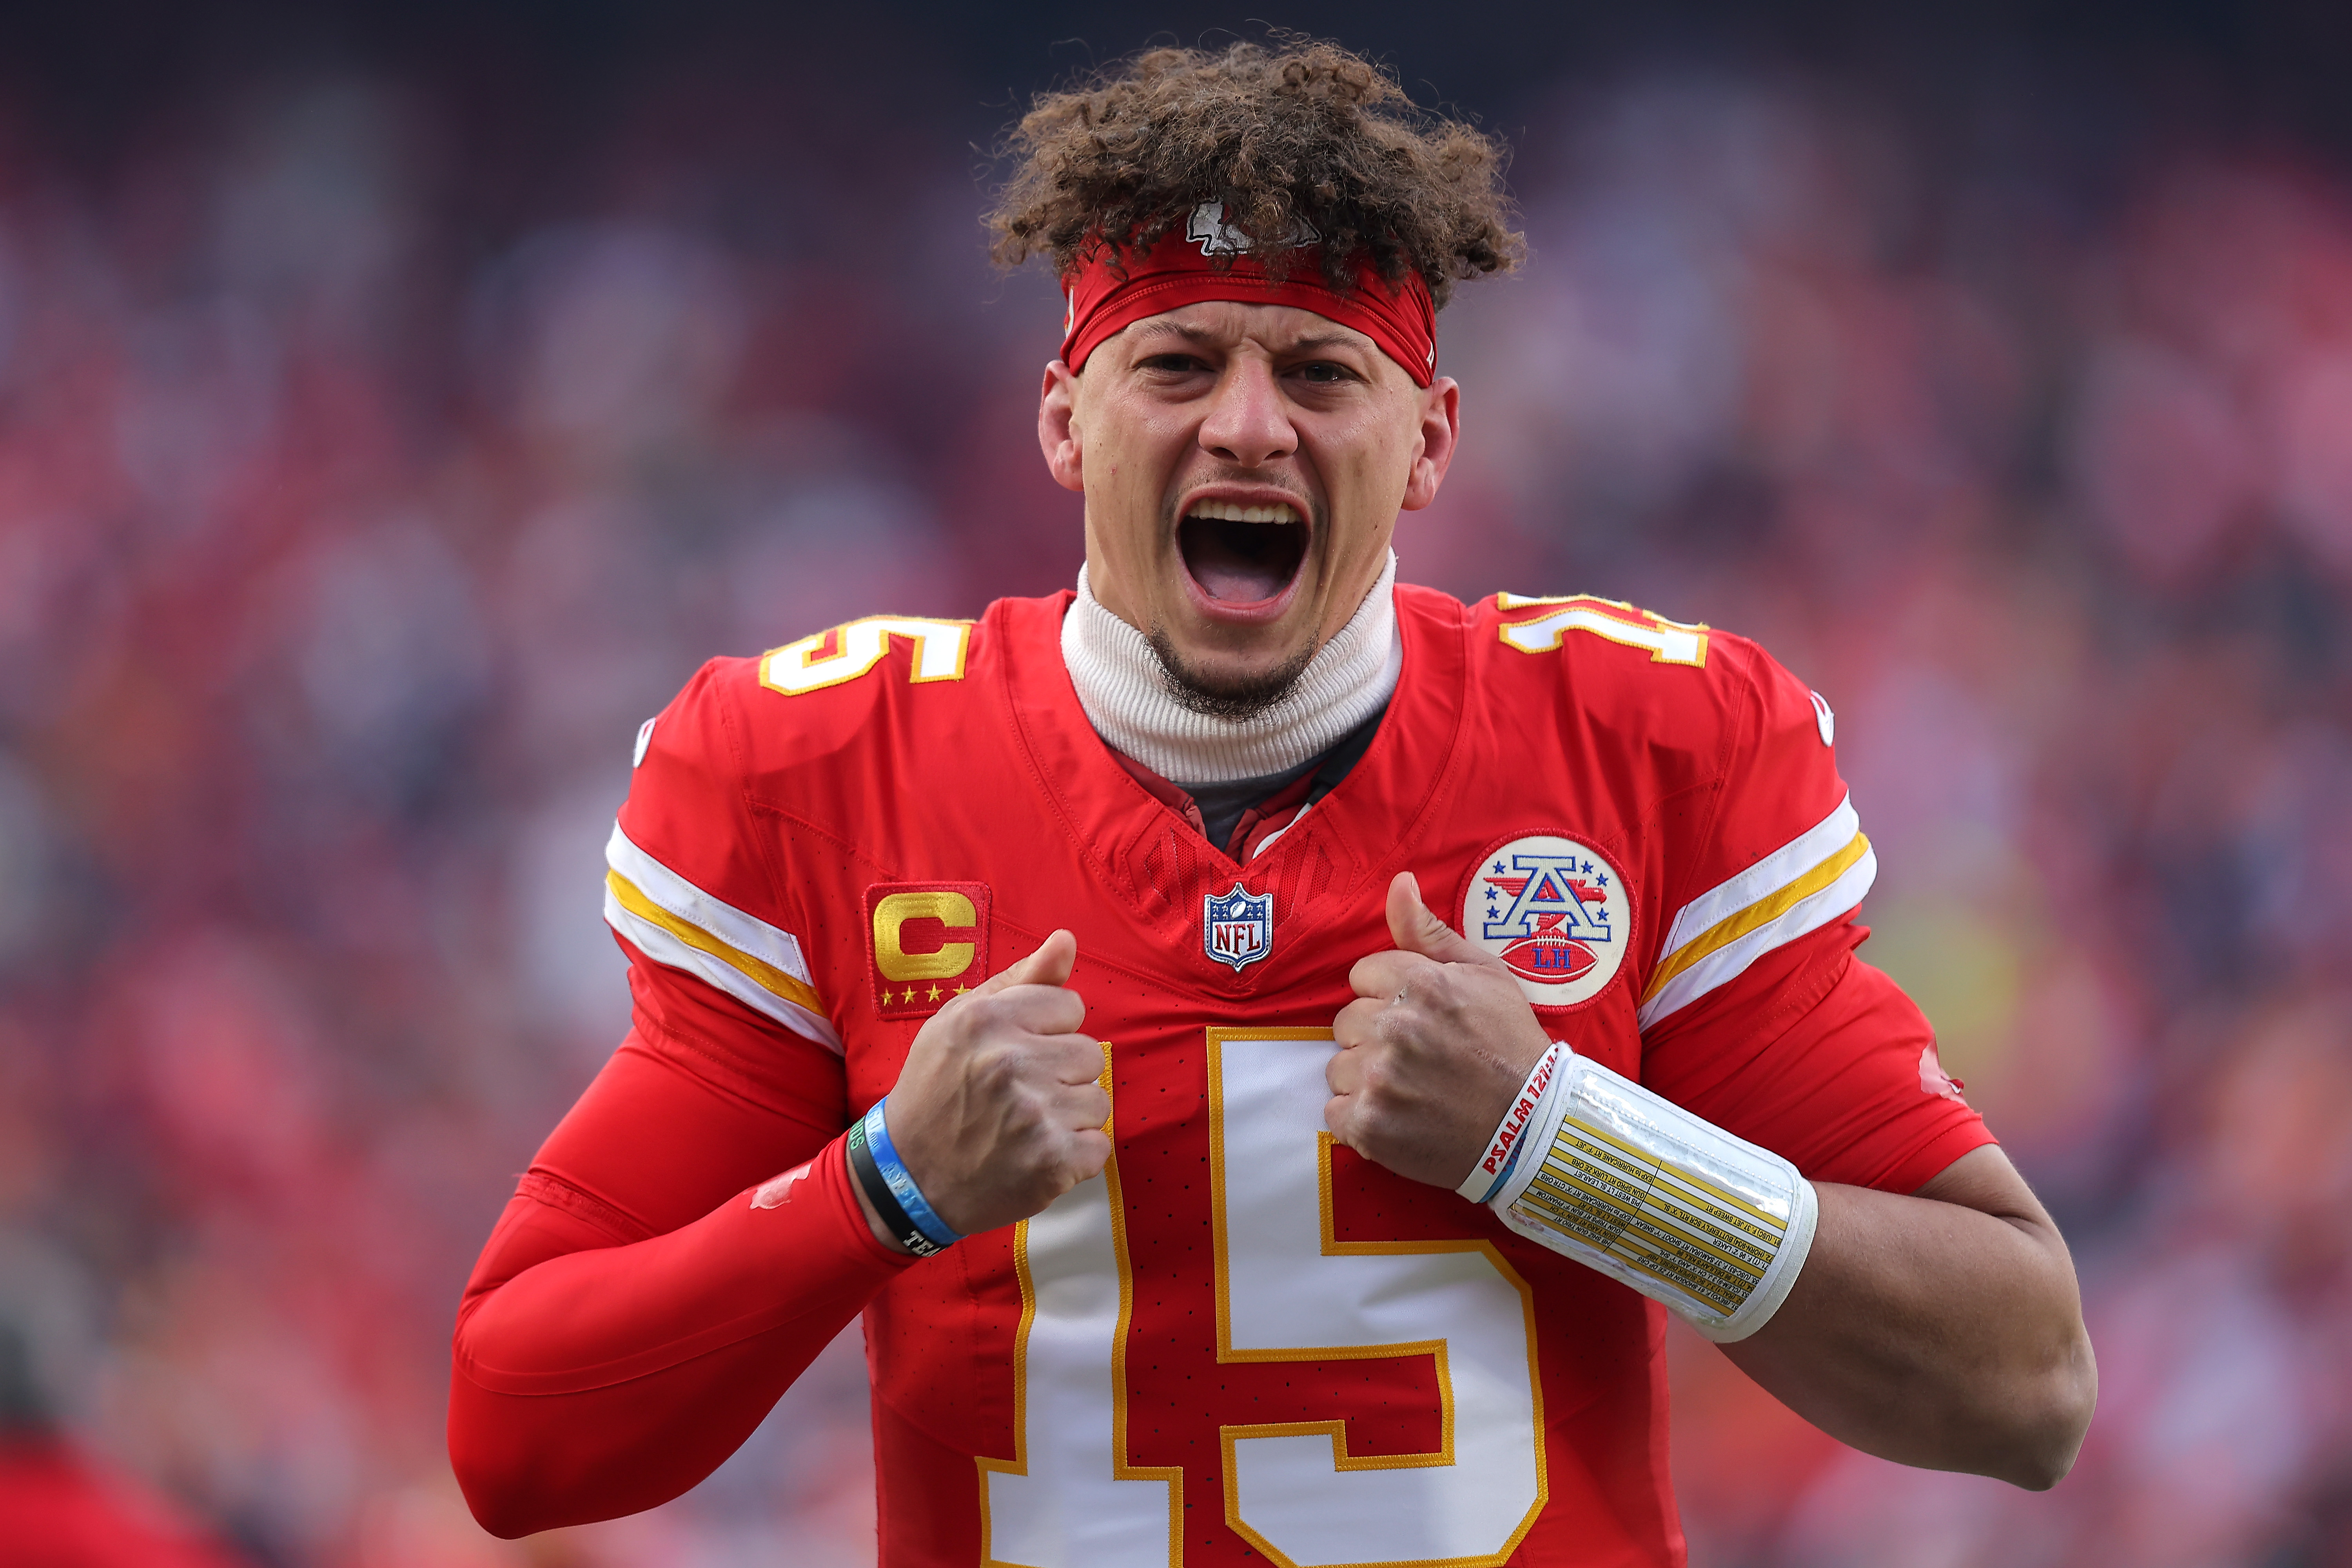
(1108, 289)
(1216, 237)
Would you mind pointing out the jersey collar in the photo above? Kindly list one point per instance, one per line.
(1335, 855)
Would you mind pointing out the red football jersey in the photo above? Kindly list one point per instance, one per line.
(1242, 1341)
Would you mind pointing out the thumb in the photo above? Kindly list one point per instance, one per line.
(1416, 929)
(1049, 965)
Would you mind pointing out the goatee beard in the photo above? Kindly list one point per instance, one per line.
(1234, 701)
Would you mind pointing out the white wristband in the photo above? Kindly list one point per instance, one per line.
(1628, 1183)
(1485, 1178)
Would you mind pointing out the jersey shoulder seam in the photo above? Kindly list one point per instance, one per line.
(1748, 711)
(763, 845)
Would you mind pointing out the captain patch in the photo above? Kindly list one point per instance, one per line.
(929, 944)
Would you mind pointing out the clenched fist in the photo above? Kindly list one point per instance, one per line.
(1000, 1107)
(1438, 1040)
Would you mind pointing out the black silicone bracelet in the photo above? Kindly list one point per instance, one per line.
(868, 1174)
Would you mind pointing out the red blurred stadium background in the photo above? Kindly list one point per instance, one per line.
(396, 407)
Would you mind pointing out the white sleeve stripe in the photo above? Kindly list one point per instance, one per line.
(772, 945)
(1728, 961)
(1761, 880)
(1763, 912)
(663, 947)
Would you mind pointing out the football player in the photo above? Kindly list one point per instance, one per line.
(1264, 1046)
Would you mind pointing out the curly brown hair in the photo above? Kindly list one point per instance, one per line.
(1301, 129)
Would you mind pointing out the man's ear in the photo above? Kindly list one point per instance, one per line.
(1057, 433)
(1439, 431)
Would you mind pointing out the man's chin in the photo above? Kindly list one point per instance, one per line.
(1233, 689)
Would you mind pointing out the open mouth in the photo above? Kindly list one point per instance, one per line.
(1241, 555)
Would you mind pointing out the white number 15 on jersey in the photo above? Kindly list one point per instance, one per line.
(1287, 1291)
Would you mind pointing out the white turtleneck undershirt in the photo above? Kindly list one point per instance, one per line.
(1125, 692)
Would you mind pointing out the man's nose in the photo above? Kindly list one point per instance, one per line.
(1247, 423)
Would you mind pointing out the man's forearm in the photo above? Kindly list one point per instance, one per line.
(1942, 1330)
(594, 1380)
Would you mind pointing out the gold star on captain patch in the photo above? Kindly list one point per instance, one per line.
(932, 995)
(910, 996)
(962, 989)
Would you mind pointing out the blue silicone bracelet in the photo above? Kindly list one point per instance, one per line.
(902, 1185)
(1508, 1166)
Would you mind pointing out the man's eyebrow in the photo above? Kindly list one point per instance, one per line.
(1338, 338)
(1173, 328)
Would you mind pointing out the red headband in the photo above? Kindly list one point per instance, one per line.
(1178, 272)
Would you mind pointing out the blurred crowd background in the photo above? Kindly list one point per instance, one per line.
(394, 409)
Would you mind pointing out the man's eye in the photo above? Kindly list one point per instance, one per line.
(1322, 372)
(1179, 363)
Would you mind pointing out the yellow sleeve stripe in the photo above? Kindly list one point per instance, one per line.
(1766, 876)
(1805, 886)
(766, 977)
(679, 926)
(1763, 912)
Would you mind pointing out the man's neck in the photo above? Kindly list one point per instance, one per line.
(1124, 691)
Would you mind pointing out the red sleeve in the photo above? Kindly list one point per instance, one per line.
(634, 1318)
(1835, 1070)
(698, 886)
(1756, 1015)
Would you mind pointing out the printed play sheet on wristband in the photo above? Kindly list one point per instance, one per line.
(1669, 1224)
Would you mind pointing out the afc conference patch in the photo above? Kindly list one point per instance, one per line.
(1237, 928)
(1556, 913)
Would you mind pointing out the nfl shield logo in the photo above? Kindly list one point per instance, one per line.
(1237, 929)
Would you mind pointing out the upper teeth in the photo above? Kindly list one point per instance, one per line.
(1226, 511)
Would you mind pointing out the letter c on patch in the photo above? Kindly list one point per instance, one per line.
(891, 913)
